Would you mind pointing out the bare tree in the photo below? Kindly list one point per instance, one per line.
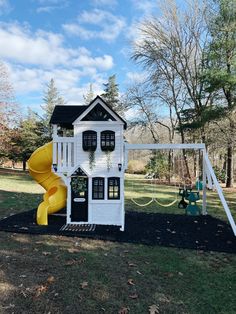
(9, 112)
(144, 101)
(171, 49)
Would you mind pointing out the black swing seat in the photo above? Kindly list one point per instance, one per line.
(184, 193)
(190, 206)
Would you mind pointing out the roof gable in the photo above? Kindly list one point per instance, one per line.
(98, 113)
(99, 110)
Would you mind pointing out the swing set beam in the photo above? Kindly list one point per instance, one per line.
(163, 146)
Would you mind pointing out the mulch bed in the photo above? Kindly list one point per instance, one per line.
(203, 233)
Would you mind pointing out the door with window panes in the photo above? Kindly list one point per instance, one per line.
(79, 197)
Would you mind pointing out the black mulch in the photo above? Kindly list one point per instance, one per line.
(189, 232)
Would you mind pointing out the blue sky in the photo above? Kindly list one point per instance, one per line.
(75, 42)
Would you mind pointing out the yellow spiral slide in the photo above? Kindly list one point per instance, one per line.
(40, 165)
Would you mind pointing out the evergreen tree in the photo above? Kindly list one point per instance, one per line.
(89, 96)
(220, 75)
(25, 139)
(51, 99)
(111, 94)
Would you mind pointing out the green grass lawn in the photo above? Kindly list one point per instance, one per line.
(52, 274)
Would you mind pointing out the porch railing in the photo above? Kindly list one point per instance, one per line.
(63, 153)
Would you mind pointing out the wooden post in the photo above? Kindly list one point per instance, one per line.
(54, 131)
(122, 196)
(221, 195)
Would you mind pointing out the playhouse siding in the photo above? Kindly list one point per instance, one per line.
(106, 213)
(82, 157)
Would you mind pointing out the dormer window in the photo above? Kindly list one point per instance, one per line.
(107, 140)
(89, 140)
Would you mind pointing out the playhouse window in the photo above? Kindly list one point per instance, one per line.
(90, 140)
(114, 188)
(98, 188)
(107, 140)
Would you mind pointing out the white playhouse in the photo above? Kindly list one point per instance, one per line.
(91, 162)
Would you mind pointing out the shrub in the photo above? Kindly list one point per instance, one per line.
(136, 166)
(220, 174)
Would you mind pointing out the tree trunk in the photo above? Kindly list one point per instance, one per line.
(230, 167)
(170, 164)
(24, 165)
(183, 141)
(185, 156)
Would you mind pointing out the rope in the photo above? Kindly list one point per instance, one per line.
(142, 205)
(165, 205)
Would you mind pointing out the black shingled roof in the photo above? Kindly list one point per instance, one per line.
(65, 115)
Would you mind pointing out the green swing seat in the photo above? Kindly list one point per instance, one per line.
(193, 208)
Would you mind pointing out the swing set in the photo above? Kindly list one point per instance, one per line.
(188, 197)
(186, 193)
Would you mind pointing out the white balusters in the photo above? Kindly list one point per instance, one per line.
(64, 153)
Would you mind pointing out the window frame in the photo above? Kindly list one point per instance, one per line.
(113, 191)
(90, 147)
(100, 179)
(107, 134)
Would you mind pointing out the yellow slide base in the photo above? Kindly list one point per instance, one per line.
(42, 214)
(40, 164)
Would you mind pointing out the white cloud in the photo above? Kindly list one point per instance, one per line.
(136, 77)
(46, 9)
(131, 114)
(5, 7)
(40, 48)
(145, 6)
(34, 58)
(107, 3)
(99, 24)
(101, 63)
(132, 32)
(51, 2)
(47, 6)
(31, 80)
(45, 49)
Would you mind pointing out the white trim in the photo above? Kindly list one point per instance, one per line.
(98, 123)
(96, 102)
(68, 209)
(122, 198)
(220, 193)
(54, 130)
(163, 146)
(70, 173)
(204, 179)
(61, 139)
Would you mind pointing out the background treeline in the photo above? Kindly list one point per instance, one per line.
(185, 93)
